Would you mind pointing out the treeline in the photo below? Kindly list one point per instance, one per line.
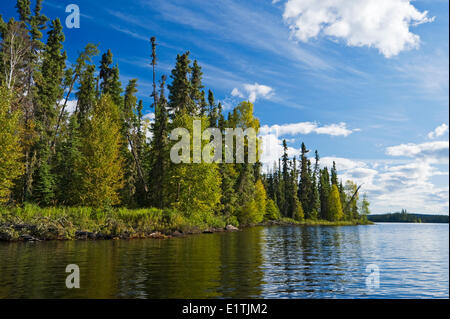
(405, 217)
(99, 154)
(305, 191)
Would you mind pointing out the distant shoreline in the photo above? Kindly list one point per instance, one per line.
(409, 218)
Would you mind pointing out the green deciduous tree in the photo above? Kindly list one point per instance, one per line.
(11, 166)
(194, 189)
(101, 165)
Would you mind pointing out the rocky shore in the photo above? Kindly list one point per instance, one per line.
(33, 233)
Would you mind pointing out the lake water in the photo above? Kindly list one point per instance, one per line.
(410, 261)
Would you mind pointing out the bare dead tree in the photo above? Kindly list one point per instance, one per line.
(353, 197)
(15, 47)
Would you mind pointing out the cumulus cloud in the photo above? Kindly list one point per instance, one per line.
(383, 24)
(392, 185)
(339, 129)
(253, 92)
(341, 163)
(149, 116)
(437, 150)
(70, 106)
(272, 137)
(438, 131)
(272, 149)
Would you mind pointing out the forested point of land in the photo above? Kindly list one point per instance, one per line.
(104, 167)
(405, 217)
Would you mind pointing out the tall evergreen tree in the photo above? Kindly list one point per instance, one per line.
(129, 154)
(305, 185)
(49, 93)
(68, 165)
(286, 181)
(213, 110)
(334, 178)
(109, 75)
(180, 89)
(315, 196)
(49, 82)
(196, 93)
(159, 152)
(324, 192)
(23, 8)
(86, 95)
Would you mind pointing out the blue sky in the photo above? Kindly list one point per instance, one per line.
(363, 81)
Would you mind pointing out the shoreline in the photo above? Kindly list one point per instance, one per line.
(62, 228)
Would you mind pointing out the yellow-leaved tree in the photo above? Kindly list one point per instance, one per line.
(101, 166)
(11, 166)
(261, 201)
(334, 205)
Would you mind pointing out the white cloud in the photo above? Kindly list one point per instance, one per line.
(341, 163)
(70, 106)
(272, 150)
(339, 129)
(392, 185)
(383, 24)
(253, 92)
(272, 138)
(149, 116)
(438, 131)
(148, 119)
(237, 93)
(437, 150)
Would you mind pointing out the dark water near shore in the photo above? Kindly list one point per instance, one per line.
(262, 262)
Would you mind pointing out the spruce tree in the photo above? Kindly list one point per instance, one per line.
(49, 92)
(229, 196)
(68, 165)
(181, 87)
(159, 152)
(196, 93)
(315, 196)
(286, 182)
(49, 83)
(129, 153)
(324, 192)
(86, 95)
(334, 178)
(305, 185)
(213, 111)
(109, 75)
(23, 8)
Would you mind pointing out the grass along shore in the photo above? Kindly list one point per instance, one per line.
(32, 223)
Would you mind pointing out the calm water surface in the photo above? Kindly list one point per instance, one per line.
(262, 262)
